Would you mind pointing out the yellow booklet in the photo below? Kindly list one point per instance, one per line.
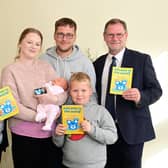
(121, 80)
(72, 116)
(8, 105)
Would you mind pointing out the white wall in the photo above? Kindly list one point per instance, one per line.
(147, 22)
(147, 26)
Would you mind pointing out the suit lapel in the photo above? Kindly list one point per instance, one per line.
(102, 65)
(127, 59)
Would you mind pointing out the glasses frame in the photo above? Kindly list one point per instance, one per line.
(117, 35)
(61, 35)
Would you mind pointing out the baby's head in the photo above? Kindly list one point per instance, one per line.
(80, 88)
(60, 82)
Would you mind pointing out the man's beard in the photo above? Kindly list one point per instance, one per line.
(64, 50)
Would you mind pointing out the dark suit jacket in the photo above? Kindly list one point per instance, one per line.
(134, 120)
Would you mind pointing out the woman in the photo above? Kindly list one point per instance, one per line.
(31, 146)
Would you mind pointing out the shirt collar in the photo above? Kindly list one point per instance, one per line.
(119, 56)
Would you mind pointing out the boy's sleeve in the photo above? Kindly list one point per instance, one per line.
(58, 140)
(104, 130)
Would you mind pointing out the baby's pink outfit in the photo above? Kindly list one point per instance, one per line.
(48, 112)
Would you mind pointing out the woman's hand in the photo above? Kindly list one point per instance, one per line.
(47, 98)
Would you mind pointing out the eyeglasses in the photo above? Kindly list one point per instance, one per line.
(118, 35)
(62, 35)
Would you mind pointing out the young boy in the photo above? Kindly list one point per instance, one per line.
(88, 150)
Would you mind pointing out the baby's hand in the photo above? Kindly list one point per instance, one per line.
(86, 126)
(60, 129)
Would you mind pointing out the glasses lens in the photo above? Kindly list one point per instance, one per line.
(62, 35)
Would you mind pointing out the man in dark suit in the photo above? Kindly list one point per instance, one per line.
(131, 109)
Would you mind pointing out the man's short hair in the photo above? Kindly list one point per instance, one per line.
(115, 21)
(65, 22)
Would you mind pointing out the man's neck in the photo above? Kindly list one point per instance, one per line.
(115, 52)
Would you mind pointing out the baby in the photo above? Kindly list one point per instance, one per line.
(49, 112)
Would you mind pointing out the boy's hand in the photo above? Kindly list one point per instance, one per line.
(86, 126)
(60, 129)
